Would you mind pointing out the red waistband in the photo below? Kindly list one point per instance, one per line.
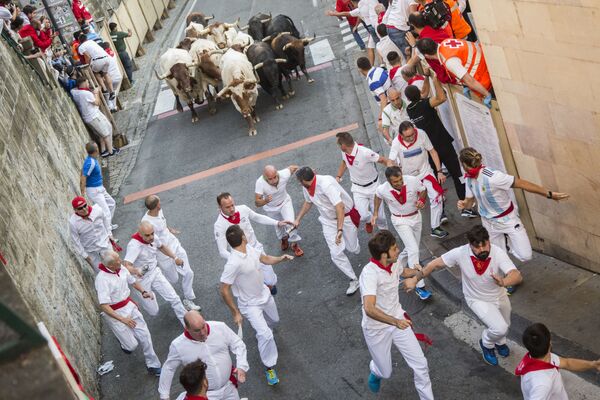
(406, 215)
(121, 304)
(508, 211)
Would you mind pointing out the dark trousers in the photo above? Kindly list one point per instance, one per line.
(127, 64)
(449, 158)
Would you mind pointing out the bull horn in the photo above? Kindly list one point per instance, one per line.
(267, 38)
(192, 64)
(308, 40)
(280, 60)
(284, 33)
(243, 28)
(257, 66)
(222, 92)
(286, 46)
(161, 77)
(209, 18)
(210, 53)
(204, 31)
(236, 23)
(264, 21)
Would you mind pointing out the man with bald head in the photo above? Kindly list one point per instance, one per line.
(271, 194)
(393, 115)
(211, 342)
(170, 270)
(141, 254)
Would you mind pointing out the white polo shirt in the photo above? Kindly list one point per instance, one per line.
(361, 165)
(392, 117)
(246, 215)
(278, 193)
(214, 352)
(113, 287)
(243, 273)
(397, 14)
(92, 49)
(328, 192)
(492, 189)
(398, 81)
(545, 384)
(413, 157)
(386, 46)
(85, 101)
(375, 281)
(161, 229)
(366, 11)
(90, 233)
(480, 287)
(413, 187)
(143, 255)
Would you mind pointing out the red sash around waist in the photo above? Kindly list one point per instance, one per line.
(354, 216)
(508, 211)
(121, 304)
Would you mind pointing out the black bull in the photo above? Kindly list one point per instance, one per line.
(269, 72)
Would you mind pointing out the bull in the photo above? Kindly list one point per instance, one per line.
(198, 18)
(265, 64)
(186, 43)
(179, 70)
(239, 38)
(257, 26)
(194, 30)
(239, 83)
(216, 32)
(207, 57)
(281, 23)
(291, 48)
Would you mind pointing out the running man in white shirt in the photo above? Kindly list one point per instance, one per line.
(120, 312)
(384, 320)
(411, 150)
(405, 196)
(89, 231)
(230, 214)
(361, 163)
(337, 215)
(166, 235)
(212, 342)
(393, 115)
(193, 379)
(244, 276)
(270, 193)
(539, 369)
(486, 271)
(141, 254)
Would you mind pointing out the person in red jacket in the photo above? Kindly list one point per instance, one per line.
(45, 28)
(82, 15)
(29, 30)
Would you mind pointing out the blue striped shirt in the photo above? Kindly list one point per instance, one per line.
(378, 81)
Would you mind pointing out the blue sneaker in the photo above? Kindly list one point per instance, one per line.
(374, 383)
(272, 378)
(503, 350)
(423, 293)
(510, 290)
(154, 371)
(489, 355)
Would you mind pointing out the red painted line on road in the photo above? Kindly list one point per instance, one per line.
(163, 187)
(186, 108)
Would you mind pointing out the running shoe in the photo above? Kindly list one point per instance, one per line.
(374, 383)
(352, 287)
(489, 355)
(503, 350)
(423, 293)
(154, 371)
(439, 233)
(468, 213)
(272, 378)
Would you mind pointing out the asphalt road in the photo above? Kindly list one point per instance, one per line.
(322, 354)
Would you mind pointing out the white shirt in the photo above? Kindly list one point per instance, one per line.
(480, 287)
(86, 103)
(413, 187)
(366, 11)
(112, 287)
(328, 193)
(161, 229)
(243, 273)
(143, 255)
(413, 157)
(374, 281)
(392, 117)
(92, 50)
(492, 189)
(386, 46)
(278, 193)
(545, 384)
(214, 352)
(397, 14)
(456, 67)
(90, 233)
(246, 215)
(362, 170)
(398, 81)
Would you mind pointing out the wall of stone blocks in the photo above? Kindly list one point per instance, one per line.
(41, 150)
(544, 58)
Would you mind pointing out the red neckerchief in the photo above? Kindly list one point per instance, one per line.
(473, 173)
(313, 187)
(85, 88)
(194, 397)
(88, 215)
(394, 71)
(139, 238)
(234, 219)
(480, 266)
(386, 268)
(415, 78)
(410, 144)
(530, 364)
(103, 268)
(400, 196)
(187, 334)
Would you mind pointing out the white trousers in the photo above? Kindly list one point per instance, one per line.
(436, 204)
(171, 271)
(100, 196)
(379, 343)
(349, 242)
(131, 337)
(409, 230)
(365, 204)
(155, 282)
(495, 316)
(519, 243)
(262, 318)
(285, 213)
(270, 278)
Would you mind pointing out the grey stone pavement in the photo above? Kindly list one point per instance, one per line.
(322, 354)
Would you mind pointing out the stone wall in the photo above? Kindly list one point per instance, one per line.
(544, 58)
(41, 149)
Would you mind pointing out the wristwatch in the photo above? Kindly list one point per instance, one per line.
(549, 194)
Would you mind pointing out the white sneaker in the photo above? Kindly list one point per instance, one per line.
(114, 227)
(352, 288)
(190, 305)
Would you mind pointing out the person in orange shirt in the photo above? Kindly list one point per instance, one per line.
(458, 26)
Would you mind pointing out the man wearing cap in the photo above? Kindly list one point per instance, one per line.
(270, 193)
(120, 312)
(338, 217)
(142, 254)
(170, 270)
(89, 231)
(213, 342)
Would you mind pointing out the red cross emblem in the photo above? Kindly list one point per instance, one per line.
(453, 44)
